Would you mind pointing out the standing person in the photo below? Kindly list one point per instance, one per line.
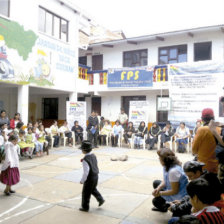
(15, 120)
(116, 131)
(166, 134)
(128, 132)
(204, 143)
(182, 134)
(55, 133)
(123, 118)
(90, 177)
(139, 136)
(3, 118)
(93, 128)
(10, 169)
(173, 186)
(78, 131)
(65, 129)
(154, 132)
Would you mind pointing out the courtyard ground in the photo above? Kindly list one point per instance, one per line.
(50, 192)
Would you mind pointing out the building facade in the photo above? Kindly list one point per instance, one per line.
(187, 47)
(38, 57)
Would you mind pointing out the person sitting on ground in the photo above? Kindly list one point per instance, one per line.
(193, 170)
(182, 134)
(173, 186)
(55, 133)
(188, 219)
(105, 132)
(116, 132)
(202, 196)
(198, 125)
(204, 143)
(128, 132)
(65, 129)
(166, 135)
(139, 136)
(78, 131)
(153, 134)
(14, 121)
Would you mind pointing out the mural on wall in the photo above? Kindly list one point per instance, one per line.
(28, 58)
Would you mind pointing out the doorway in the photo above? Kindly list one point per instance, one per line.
(96, 104)
(50, 108)
(125, 101)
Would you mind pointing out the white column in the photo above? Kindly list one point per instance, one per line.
(73, 96)
(23, 102)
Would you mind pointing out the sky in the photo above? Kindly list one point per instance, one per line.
(143, 17)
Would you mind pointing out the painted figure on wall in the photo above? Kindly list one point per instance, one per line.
(6, 68)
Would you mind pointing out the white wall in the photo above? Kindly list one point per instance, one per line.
(113, 57)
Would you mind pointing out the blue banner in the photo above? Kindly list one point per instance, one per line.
(134, 77)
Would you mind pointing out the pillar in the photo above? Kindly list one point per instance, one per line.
(73, 96)
(23, 102)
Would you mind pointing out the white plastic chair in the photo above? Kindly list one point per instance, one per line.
(188, 144)
(62, 136)
(169, 142)
(50, 135)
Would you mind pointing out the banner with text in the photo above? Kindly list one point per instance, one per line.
(193, 88)
(139, 111)
(76, 111)
(130, 77)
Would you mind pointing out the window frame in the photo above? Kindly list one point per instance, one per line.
(60, 25)
(134, 51)
(8, 14)
(210, 55)
(168, 48)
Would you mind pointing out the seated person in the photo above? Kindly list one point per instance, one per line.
(101, 122)
(173, 186)
(116, 131)
(198, 125)
(55, 133)
(105, 132)
(30, 139)
(166, 134)
(187, 219)
(141, 131)
(42, 138)
(182, 134)
(65, 130)
(19, 127)
(128, 132)
(78, 131)
(193, 170)
(153, 134)
(202, 196)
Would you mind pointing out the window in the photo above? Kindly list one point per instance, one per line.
(97, 62)
(135, 58)
(4, 7)
(52, 24)
(83, 60)
(172, 54)
(162, 116)
(203, 51)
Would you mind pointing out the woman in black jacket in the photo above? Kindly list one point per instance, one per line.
(128, 132)
(142, 130)
(154, 132)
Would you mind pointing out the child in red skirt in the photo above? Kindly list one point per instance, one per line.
(10, 169)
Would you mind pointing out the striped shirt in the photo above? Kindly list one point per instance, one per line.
(210, 215)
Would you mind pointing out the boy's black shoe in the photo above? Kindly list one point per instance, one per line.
(101, 202)
(158, 210)
(12, 192)
(83, 210)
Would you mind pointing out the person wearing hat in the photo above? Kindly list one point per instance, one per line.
(204, 143)
(90, 177)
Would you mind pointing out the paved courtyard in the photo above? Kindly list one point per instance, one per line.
(49, 190)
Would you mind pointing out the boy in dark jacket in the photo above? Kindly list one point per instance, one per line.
(90, 177)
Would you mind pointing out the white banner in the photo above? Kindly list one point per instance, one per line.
(139, 111)
(76, 111)
(193, 88)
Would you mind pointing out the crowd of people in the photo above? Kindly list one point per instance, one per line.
(194, 193)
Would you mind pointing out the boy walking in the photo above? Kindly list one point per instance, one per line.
(90, 177)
